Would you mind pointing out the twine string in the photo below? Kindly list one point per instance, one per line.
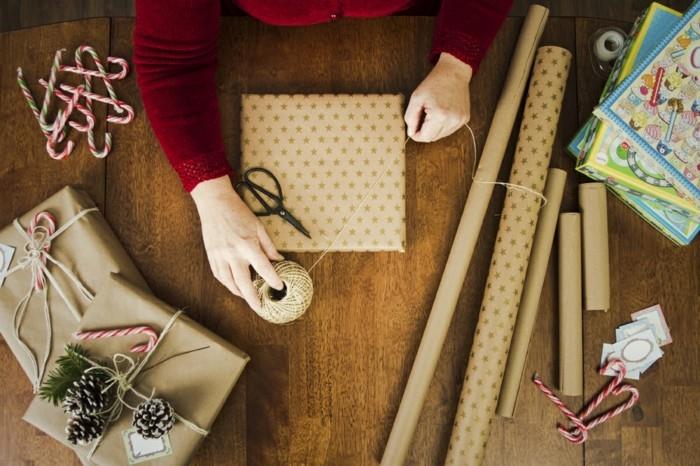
(123, 379)
(38, 239)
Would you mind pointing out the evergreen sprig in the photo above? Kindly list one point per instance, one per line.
(71, 366)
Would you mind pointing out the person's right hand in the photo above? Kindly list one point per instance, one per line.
(234, 240)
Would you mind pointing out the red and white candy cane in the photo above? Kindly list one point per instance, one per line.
(121, 332)
(41, 227)
(579, 432)
(55, 131)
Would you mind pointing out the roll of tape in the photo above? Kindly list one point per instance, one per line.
(608, 45)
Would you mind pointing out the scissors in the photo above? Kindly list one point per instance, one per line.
(276, 206)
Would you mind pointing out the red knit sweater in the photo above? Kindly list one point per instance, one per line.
(175, 52)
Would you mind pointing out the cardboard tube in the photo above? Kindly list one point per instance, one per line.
(465, 240)
(509, 263)
(570, 313)
(596, 262)
(529, 303)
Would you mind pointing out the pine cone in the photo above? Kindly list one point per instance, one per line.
(84, 428)
(154, 418)
(86, 395)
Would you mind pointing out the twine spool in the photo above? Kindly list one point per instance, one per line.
(289, 303)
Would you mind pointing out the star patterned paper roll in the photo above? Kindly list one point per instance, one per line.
(504, 286)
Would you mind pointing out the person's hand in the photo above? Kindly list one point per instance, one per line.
(234, 239)
(440, 104)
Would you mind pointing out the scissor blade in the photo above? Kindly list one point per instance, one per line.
(295, 223)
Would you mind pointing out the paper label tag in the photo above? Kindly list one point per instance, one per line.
(654, 317)
(6, 254)
(140, 449)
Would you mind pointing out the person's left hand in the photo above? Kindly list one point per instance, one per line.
(440, 104)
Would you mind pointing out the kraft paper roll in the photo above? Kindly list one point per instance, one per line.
(596, 265)
(529, 303)
(504, 286)
(570, 314)
(465, 240)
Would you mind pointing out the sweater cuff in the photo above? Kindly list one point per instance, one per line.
(202, 167)
(462, 46)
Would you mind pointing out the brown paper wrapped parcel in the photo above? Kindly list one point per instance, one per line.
(89, 251)
(192, 368)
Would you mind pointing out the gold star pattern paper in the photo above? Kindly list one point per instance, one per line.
(340, 161)
(504, 286)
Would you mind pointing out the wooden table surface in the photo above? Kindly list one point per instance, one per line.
(325, 390)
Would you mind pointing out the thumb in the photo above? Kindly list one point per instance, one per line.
(414, 116)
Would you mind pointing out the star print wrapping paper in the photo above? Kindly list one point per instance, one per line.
(340, 161)
(504, 286)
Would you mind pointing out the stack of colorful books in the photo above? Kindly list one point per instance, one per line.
(643, 139)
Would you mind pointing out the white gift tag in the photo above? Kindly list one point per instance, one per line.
(140, 449)
(6, 254)
(654, 317)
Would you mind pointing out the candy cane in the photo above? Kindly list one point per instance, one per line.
(41, 227)
(119, 105)
(55, 131)
(579, 432)
(120, 332)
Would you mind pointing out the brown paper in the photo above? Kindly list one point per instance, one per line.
(596, 263)
(529, 303)
(88, 248)
(196, 384)
(504, 285)
(570, 317)
(340, 162)
(465, 240)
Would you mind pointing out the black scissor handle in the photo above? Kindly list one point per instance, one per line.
(259, 191)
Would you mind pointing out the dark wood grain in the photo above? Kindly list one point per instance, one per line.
(325, 389)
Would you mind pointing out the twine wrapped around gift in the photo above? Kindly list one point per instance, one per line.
(37, 248)
(123, 380)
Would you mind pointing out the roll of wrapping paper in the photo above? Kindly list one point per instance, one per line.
(465, 239)
(570, 313)
(529, 303)
(504, 286)
(596, 265)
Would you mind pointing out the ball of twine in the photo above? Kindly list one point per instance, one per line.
(290, 303)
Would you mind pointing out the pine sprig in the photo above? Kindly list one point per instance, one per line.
(71, 366)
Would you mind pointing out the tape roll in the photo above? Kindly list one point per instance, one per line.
(609, 45)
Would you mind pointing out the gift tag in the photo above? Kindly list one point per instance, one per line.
(654, 317)
(140, 449)
(6, 253)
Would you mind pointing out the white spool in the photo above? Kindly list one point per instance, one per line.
(608, 45)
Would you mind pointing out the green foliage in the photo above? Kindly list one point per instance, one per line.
(71, 366)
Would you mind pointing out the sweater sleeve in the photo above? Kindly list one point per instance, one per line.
(175, 57)
(466, 28)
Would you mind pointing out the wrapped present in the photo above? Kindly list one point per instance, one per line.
(340, 162)
(189, 368)
(57, 256)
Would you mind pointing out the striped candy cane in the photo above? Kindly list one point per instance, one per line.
(121, 332)
(579, 432)
(55, 131)
(41, 227)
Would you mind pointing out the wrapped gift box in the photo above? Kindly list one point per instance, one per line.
(192, 368)
(341, 165)
(88, 249)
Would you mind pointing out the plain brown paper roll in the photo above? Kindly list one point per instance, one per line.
(570, 313)
(529, 303)
(465, 239)
(509, 262)
(596, 262)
